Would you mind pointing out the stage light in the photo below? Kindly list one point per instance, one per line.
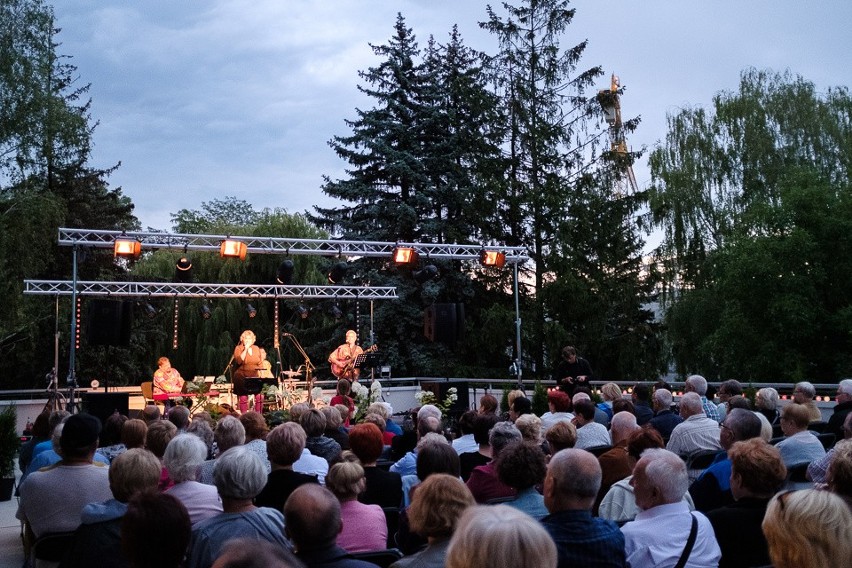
(337, 272)
(150, 310)
(205, 311)
(183, 270)
(425, 274)
(492, 258)
(285, 272)
(252, 312)
(335, 311)
(302, 311)
(233, 249)
(405, 256)
(127, 248)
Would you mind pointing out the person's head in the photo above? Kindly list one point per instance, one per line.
(351, 336)
(520, 406)
(297, 410)
(757, 469)
(229, 433)
(56, 418)
(438, 504)
(151, 413)
(429, 410)
(376, 420)
(642, 393)
(482, 427)
(133, 433)
(611, 392)
(466, 421)
(428, 425)
(766, 431)
(239, 474)
(184, 455)
(488, 404)
(659, 478)
(584, 412)
(514, 394)
(558, 401)
(569, 353)
(163, 363)
(579, 395)
(365, 441)
(737, 426)
(111, 433)
(133, 471)
(808, 529)
(844, 391)
(572, 482)
(204, 432)
(248, 338)
(641, 440)
(521, 465)
(739, 401)
(794, 418)
(155, 517)
(436, 455)
(561, 436)
(623, 405)
(803, 392)
(79, 438)
(530, 427)
(346, 480)
(179, 416)
(284, 444)
(486, 532)
(333, 419)
(766, 399)
(728, 389)
(343, 387)
(839, 476)
(690, 405)
(501, 434)
(41, 426)
(383, 409)
(621, 426)
(312, 518)
(160, 433)
(249, 552)
(255, 425)
(696, 384)
(662, 399)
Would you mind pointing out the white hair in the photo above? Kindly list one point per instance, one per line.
(429, 410)
(807, 389)
(663, 397)
(580, 396)
(691, 402)
(697, 384)
(666, 472)
(845, 386)
(239, 473)
(767, 398)
(183, 456)
(622, 424)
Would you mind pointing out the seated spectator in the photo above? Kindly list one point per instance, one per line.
(435, 509)
(697, 433)
(739, 401)
(623, 405)
(363, 526)
(204, 432)
(698, 385)
(41, 432)
(150, 413)
(387, 437)
(766, 429)
(179, 416)
(521, 465)
(808, 529)
(560, 436)
(583, 393)
(334, 426)
(727, 389)
(499, 531)
(664, 524)
(570, 488)
(483, 482)
(818, 469)
(839, 477)
(250, 553)
(313, 421)
(520, 406)
(256, 431)
(487, 404)
(383, 488)
(481, 427)
(184, 455)
(403, 445)
(530, 427)
(804, 394)
(559, 409)
(799, 445)
(342, 397)
(97, 541)
(133, 433)
(160, 433)
(407, 465)
(313, 523)
(766, 402)
(110, 441)
(616, 463)
(155, 518)
(664, 420)
(284, 445)
(841, 409)
(465, 442)
(229, 433)
(47, 458)
(385, 410)
(757, 473)
(239, 475)
(610, 392)
(642, 403)
(590, 434)
(510, 401)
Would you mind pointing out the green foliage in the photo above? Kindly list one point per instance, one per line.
(10, 440)
(539, 399)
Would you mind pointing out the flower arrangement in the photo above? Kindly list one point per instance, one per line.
(428, 397)
(364, 397)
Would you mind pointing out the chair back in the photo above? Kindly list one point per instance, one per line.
(827, 440)
(797, 477)
(52, 547)
(383, 558)
(598, 450)
(148, 391)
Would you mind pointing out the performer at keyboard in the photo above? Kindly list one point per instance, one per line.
(250, 359)
(342, 359)
(167, 381)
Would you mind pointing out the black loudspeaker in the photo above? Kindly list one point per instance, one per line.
(109, 322)
(440, 388)
(103, 404)
(444, 323)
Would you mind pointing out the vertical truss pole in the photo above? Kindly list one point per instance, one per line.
(518, 358)
(72, 375)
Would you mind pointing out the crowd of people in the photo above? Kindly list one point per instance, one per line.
(633, 480)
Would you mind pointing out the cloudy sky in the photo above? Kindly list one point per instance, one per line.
(206, 99)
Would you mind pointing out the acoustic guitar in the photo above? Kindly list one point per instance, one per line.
(348, 371)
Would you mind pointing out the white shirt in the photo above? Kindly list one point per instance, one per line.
(695, 434)
(592, 435)
(465, 444)
(801, 447)
(657, 537)
(311, 465)
(619, 503)
(548, 419)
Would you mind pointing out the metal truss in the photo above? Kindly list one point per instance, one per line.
(178, 290)
(277, 245)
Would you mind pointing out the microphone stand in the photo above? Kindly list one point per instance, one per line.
(231, 378)
(309, 367)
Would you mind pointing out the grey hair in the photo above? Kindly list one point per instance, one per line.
(239, 473)
(663, 397)
(179, 416)
(429, 410)
(698, 384)
(576, 474)
(845, 386)
(57, 436)
(184, 455)
(229, 433)
(807, 389)
(744, 424)
(501, 434)
(383, 409)
(765, 426)
(666, 471)
(691, 402)
(430, 439)
(767, 398)
(204, 432)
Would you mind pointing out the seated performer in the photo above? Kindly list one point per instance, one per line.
(250, 358)
(167, 380)
(342, 359)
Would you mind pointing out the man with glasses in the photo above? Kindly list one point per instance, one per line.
(804, 393)
(844, 407)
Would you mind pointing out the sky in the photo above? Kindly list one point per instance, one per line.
(200, 100)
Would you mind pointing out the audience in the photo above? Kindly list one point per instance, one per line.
(160, 433)
(382, 488)
(766, 402)
(665, 419)
(469, 460)
(256, 431)
(155, 531)
(641, 397)
(184, 456)
(522, 465)
(560, 436)
(483, 481)
(110, 444)
(284, 445)
(342, 397)
(818, 469)
(250, 553)
(804, 394)
(363, 527)
(590, 434)
(727, 389)
(133, 433)
(407, 465)
(698, 385)
(839, 478)
(179, 416)
(465, 442)
(615, 463)
(228, 434)
(610, 392)
(334, 426)
(204, 431)
(841, 409)
(559, 409)
(799, 445)
(488, 404)
(697, 433)
(530, 428)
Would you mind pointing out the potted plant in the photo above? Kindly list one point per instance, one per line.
(9, 444)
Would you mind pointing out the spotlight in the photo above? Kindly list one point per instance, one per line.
(150, 310)
(127, 248)
(425, 274)
(233, 249)
(251, 311)
(302, 311)
(405, 256)
(183, 270)
(335, 312)
(337, 272)
(492, 258)
(285, 272)
(205, 311)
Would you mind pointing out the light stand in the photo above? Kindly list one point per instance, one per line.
(71, 380)
(309, 367)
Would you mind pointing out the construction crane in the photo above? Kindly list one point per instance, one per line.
(610, 102)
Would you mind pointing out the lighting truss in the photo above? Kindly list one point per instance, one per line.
(179, 290)
(278, 245)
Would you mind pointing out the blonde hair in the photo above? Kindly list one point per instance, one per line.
(486, 532)
(611, 391)
(808, 529)
(345, 480)
(513, 395)
(530, 427)
(248, 333)
(437, 505)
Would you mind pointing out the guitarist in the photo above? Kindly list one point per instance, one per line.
(342, 359)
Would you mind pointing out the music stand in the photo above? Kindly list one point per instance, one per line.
(368, 360)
